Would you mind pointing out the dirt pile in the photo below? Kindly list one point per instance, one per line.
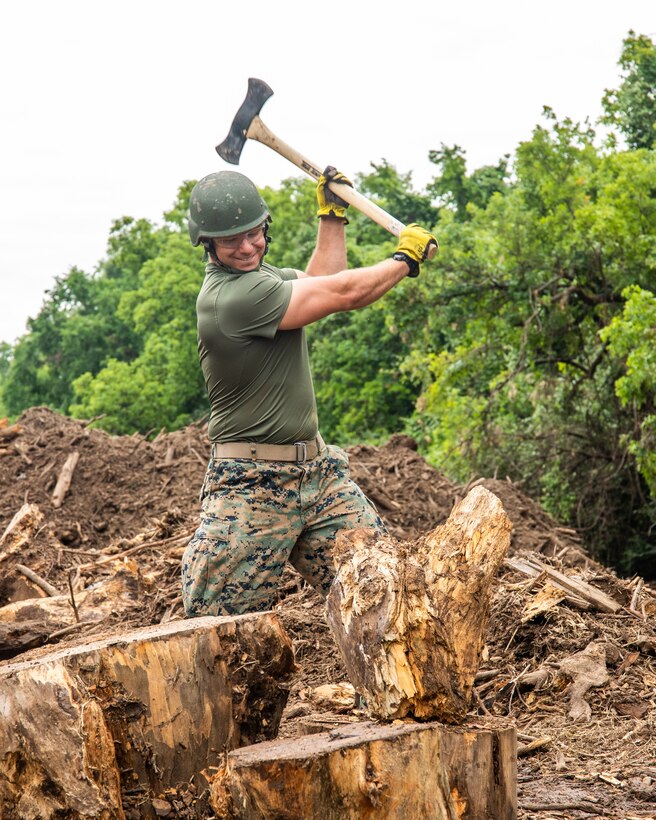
(579, 681)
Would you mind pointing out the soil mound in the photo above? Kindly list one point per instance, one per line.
(132, 504)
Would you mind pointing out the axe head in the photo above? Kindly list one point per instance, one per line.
(258, 93)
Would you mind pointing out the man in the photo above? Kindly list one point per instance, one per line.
(273, 492)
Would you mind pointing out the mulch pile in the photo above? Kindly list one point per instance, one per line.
(585, 750)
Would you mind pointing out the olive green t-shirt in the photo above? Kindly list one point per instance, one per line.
(257, 377)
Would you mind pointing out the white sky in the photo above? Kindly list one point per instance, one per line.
(106, 107)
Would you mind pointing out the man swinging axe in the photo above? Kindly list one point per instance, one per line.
(274, 490)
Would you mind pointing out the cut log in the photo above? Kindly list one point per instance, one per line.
(65, 478)
(30, 623)
(361, 770)
(20, 530)
(86, 731)
(410, 618)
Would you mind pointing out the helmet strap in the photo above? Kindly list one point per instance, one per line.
(210, 253)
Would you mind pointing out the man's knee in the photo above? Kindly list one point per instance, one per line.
(213, 585)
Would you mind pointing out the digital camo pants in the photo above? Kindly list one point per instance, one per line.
(256, 516)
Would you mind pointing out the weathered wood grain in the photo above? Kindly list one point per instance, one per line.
(393, 772)
(410, 617)
(83, 727)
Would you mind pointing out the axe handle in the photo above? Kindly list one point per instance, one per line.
(258, 131)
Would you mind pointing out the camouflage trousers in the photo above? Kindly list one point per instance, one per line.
(256, 516)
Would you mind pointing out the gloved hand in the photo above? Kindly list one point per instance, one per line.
(329, 203)
(414, 246)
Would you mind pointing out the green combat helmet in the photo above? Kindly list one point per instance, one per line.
(223, 204)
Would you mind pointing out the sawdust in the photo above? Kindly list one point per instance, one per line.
(136, 500)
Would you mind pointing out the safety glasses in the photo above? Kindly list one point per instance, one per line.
(235, 241)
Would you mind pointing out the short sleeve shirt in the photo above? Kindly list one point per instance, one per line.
(257, 377)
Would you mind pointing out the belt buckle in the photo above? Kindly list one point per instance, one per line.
(301, 451)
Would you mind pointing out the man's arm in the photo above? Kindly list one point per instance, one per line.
(314, 297)
(329, 255)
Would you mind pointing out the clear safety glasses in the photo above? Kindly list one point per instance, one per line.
(235, 241)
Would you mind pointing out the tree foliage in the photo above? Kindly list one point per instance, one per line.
(458, 190)
(632, 107)
(518, 380)
(631, 338)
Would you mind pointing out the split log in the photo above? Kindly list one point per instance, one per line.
(65, 478)
(361, 770)
(410, 618)
(86, 731)
(20, 530)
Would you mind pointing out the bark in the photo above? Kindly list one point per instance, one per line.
(365, 770)
(410, 618)
(94, 730)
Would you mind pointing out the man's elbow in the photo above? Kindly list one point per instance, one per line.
(352, 300)
(346, 292)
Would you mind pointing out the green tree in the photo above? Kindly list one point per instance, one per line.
(516, 377)
(361, 393)
(78, 327)
(294, 224)
(632, 107)
(162, 385)
(86, 320)
(73, 332)
(5, 363)
(395, 192)
(456, 190)
(160, 388)
(631, 337)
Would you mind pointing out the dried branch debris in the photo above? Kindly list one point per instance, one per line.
(132, 504)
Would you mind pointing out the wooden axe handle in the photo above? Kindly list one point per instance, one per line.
(258, 131)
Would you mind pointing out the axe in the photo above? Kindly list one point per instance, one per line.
(248, 125)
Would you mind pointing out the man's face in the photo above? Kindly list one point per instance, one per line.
(243, 251)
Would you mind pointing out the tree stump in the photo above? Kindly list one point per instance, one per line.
(91, 730)
(393, 772)
(410, 618)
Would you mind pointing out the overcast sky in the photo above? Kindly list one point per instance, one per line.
(106, 107)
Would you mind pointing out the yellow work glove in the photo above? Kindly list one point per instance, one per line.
(329, 203)
(414, 246)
